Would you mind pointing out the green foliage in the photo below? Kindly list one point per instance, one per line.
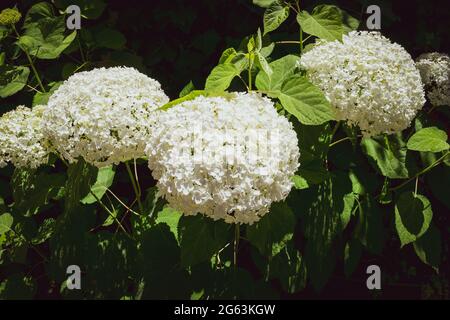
(305, 101)
(327, 22)
(412, 217)
(275, 229)
(221, 77)
(355, 200)
(276, 13)
(200, 238)
(388, 155)
(105, 177)
(428, 139)
(12, 79)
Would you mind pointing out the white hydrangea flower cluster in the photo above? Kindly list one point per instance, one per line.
(21, 139)
(103, 115)
(434, 68)
(225, 157)
(370, 81)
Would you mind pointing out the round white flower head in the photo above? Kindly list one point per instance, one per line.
(369, 81)
(21, 140)
(225, 157)
(103, 115)
(435, 71)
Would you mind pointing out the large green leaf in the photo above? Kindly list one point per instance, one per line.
(429, 139)
(369, 229)
(321, 209)
(289, 268)
(412, 217)
(327, 22)
(273, 231)
(305, 101)
(428, 247)
(200, 238)
(45, 38)
(105, 177)
(274, 16)
(109, 38)
(221, 76)
(387, 155)
(81, 177)
(283, 69)
(33, 189)
(38, 11)
(12, 79)
(171, 217)
(6, 221)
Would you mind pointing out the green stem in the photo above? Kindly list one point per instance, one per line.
(288, 42)
(250, 73)
(83, 58)
(237, 234)
(301, 31)
(431, 166)
(111, 214)
(135, 187)
(339, 141)
(36, 74)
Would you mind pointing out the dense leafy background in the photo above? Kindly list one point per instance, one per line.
(318, 244)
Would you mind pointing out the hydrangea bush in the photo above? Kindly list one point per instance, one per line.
(298, 161)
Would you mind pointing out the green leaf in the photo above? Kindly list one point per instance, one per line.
(45, 38)
(321, 209)
(274, 16)
(273, 231)
(2, 58)
(6, 221)
(190, 96)
(352, 255)
(289, 268)
(429, 139)
(221, 76)
(263, 3)
(12, 79)
(81, 177)
(369, 229)
(227, 56)
(170, 217)
(282, 69)
(187, 89)
(313, 172)
(33, 189)
(45, 231)
(41, 98)
(428, 247)
(200, 238)
(105, 177)
(38, 11)
(305, 101)
(300, 182)
(326, 22)
(109, 38)
(387, 155)
(412, 217)
(262, 63)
